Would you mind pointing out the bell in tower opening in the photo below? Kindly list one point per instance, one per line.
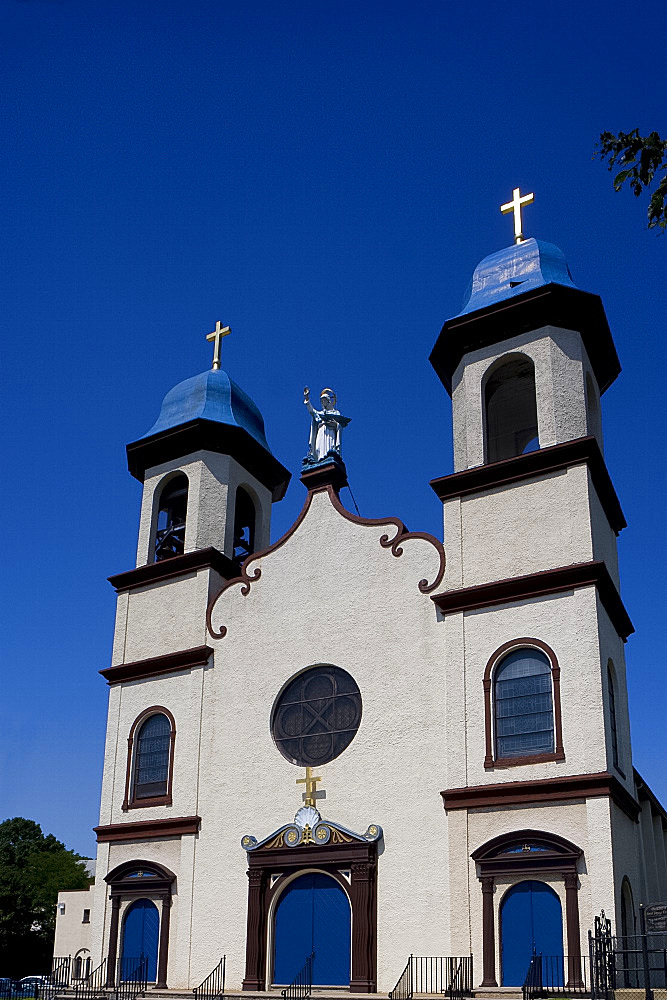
(170, 534)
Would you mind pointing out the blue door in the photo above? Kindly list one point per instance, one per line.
(140, 937)
(313, 914)
(531, 924)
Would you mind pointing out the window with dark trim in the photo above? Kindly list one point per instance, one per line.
(523, 706)
(612, 718)
(86, 917)
(522, 711)
(317, 715)
(150, 759)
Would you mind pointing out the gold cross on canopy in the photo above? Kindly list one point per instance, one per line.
(217, 335)
(515, 206)
(311, 787)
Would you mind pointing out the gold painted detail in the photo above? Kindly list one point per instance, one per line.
(515, 206)
(278, 841)
(338, 837)
(217, 335)
(322, 832)
(307, 836)
(372, 830)
(292, 836)
(311, 787)
(246, 841)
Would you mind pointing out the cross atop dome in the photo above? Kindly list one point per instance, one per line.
(515, 206)
(216, 336)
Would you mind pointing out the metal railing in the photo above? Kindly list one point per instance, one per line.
(93, 985)
(132, 978)
(214, 984)
(435, 974)
(556, 975)
(302, 984)
(61, 971)
(461, 982)
(636, 962)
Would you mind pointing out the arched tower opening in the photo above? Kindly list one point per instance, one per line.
(245, 516)
(510, 409)
(170, 527)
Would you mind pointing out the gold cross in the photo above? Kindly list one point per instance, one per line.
(515, 206)
(217, 335)
(311, 787)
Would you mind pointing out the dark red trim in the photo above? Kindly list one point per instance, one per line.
(320, 476)
(149, 829)
(490, 760)
(209, 435)
(166, 569)
(538, 463)
(129, 802)
(549, 305)
(548, 581)
(182, 659)
(395, 542)
(511, 793)
(361, 861)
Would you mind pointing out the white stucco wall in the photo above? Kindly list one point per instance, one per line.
(72, 935)
(561, 364)
(212, 483)
(332, 594)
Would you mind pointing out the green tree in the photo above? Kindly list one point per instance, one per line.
(33, 869)
(640, 158)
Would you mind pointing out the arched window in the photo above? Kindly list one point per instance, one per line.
(170, 532)
(523, 704)
(244, 525)
(150, 759)
(613, 732)
(510, 407)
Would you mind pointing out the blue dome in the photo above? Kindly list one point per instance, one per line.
(515, 270)
(210, 396)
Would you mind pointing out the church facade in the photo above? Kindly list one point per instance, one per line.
(437, 736)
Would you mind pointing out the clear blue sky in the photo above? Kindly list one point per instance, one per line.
(323, 177)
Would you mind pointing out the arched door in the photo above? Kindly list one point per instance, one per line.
(313, 915)
(140, 937)
(531, 923)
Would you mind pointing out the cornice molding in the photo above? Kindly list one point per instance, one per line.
(548, 305)
(149, 829)
(538, 463)
(514, 793)
(209, 435)
(549, 581)
(198, 656)
(167, 569)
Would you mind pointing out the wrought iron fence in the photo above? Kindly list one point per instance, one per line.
(302, 984)
(61, 971)
(132, 978)
(214, 984)
(632, 962)
(461, 982)
(93, 985)
(434, 974)
(556, 975)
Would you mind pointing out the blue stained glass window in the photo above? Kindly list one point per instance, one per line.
(151, 762)
(523, 705)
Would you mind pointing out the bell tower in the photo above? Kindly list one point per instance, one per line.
(209, 479)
